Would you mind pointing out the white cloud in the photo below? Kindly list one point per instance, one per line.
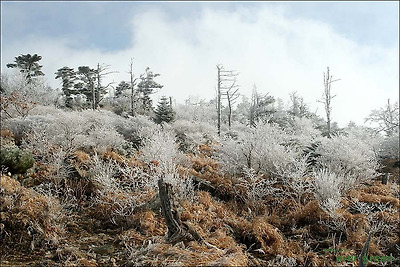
(277, 53)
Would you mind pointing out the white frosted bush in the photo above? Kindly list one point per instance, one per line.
(390, 147)
(256, 186)
(365, 135)
(14, 84)
(162, 147)
(197, 111)
(68, 130)
(102, 173)
(192, 134)
(328, 188)
(137, 129)
(302, 132)
(347, 156)
(264, 149)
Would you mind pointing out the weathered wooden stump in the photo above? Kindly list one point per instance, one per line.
(177, 230)
(385, 178)
(362, 262)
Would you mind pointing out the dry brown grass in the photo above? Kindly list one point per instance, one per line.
(275, 231)
(7, 138)
(29, 220)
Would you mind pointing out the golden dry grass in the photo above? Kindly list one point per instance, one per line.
(29, 219)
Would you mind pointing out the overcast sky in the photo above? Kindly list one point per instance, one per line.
(279, 46)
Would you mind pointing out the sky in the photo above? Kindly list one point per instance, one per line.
(280, 47)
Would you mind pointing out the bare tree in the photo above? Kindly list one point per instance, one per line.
(298, 107)
(226, 83)
(100, 90)
(134, 96)
(231, 95)
(261, 107)
(387, 118)
(327, 98)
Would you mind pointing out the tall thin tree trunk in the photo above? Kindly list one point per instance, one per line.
(229, 110)
(219, 101)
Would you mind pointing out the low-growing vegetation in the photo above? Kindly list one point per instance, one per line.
(114, 186)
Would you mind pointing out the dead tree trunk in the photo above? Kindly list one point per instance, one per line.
(327, 99)
(385, 178)
(219, 67)
(177, 231)
(224, 78)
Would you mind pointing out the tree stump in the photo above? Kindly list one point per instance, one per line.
(177, 231)
(385, 178)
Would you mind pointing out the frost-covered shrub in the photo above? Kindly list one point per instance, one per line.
(22, 127)
(19, 98)
(182, 185)
(196, 110)
(119, 189)
(137, 129)
(265, 149)
(302, 132)
(192, 134)
(347, 156)
(102, 173)
(256, 186)
(69, 130)
(328, 188)
(390, 147)
(162, 148)
(162, 152)
(366, 135)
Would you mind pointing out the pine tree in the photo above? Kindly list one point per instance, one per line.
(29, 65)
(146, 87)
(164, 111)
(121, 87)
(68, 77)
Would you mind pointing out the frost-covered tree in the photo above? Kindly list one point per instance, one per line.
(121, 88)
(86, 85)
(262, 107)
(28, 65)
(19, 97)
(146, 87)
(101, 89)
(386, 118)
(226, 86)
(196, 110)
(68, 77)
(164, 111)
(298, 108)
(327, 99)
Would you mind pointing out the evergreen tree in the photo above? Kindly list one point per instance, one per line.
(146, 87)
(121, 87)
(29, 65)
(68, 77)
(164, 111)
(86, 85)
